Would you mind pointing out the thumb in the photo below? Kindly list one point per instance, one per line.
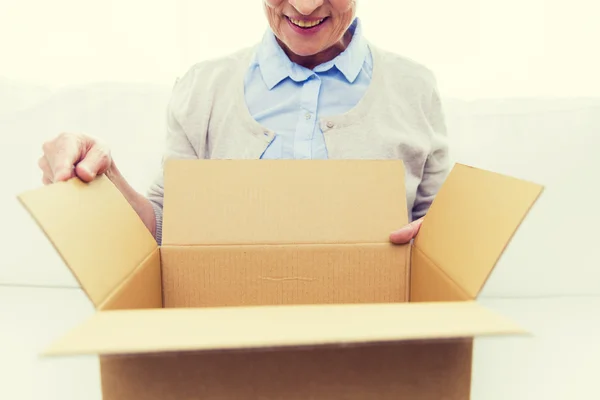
(406, 233)
(96, 162)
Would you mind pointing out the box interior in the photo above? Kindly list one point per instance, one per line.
(254, 242)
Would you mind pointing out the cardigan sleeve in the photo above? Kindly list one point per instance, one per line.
(437, 165)
(177, 145)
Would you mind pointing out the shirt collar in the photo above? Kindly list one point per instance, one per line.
(275, 66)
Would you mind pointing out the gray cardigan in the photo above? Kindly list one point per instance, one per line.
(399, 117)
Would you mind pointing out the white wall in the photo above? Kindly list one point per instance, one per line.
(478, 48)
(63, 42)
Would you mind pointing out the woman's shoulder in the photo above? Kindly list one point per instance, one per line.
(397, 67)
(202, 79)
(218, 67)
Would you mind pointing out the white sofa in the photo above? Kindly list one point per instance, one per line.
(549, 277)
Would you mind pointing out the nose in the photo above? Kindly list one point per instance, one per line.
(306, 7)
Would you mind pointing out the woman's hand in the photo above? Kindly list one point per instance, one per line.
(407, 233)
(69, 155)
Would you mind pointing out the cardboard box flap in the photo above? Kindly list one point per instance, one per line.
(471, 221)
(95, 230)
(225, 202)
(187, 329)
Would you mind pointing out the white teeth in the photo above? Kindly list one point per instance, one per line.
(306, 24)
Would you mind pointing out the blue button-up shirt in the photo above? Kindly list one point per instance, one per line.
(289, 99)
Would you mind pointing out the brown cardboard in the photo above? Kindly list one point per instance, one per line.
(474, 217)
(96, 232)
(430, 370)
(270, 202)
(141, 289)
(276, 280)
(234, 328)
(276, 274)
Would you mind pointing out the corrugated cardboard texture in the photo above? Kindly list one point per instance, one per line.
(415, 371)
(191, 329)
(215, 276)
(224, 202)
(143, 289)
(471, 221)
(95, 230)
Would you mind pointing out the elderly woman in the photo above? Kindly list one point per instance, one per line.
(314, 88)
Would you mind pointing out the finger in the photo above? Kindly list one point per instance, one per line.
(406, 233)
(48, 176)
(62, 156)
(95, 163)
(44, 165)
(46, 172)
(64, 173)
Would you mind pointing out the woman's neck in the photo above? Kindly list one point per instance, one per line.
(324, 56)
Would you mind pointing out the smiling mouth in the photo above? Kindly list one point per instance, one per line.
(306, 24)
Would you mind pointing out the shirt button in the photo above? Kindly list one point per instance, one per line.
(330, 124)
(307, 115)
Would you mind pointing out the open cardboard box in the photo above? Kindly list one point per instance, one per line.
(276, 280)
